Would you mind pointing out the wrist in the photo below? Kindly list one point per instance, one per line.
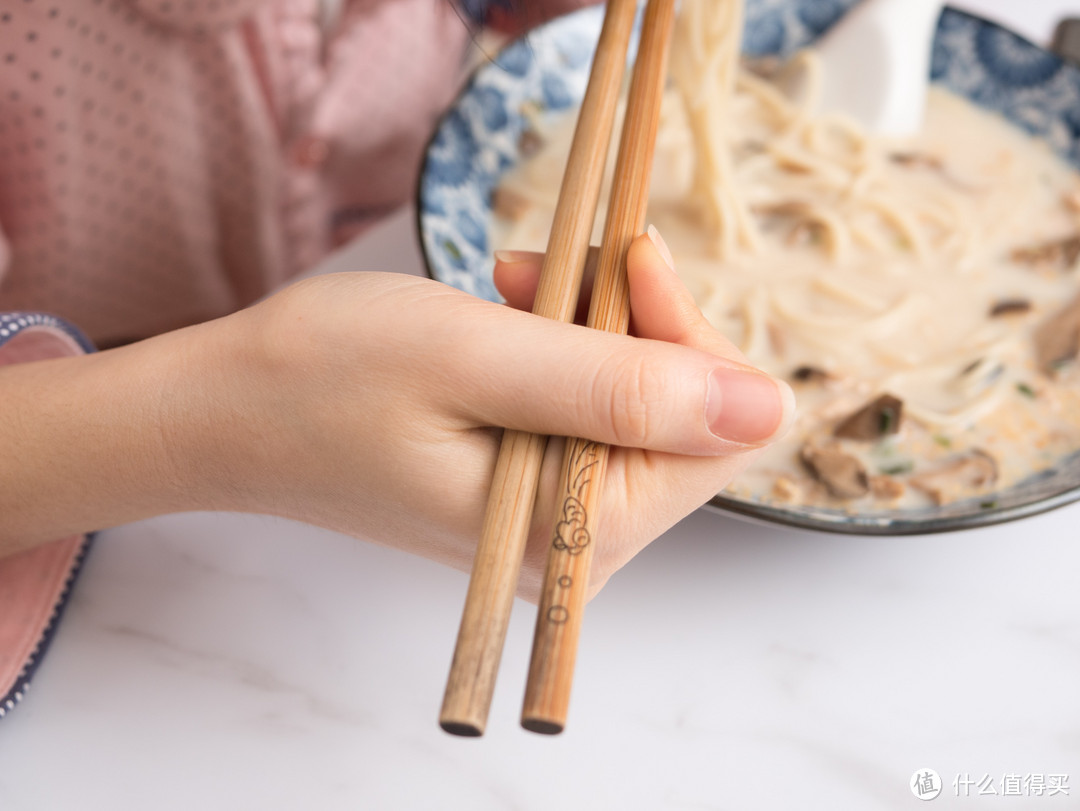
(101, 439)
(235, 417)
(208, 415)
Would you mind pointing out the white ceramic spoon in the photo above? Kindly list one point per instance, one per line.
(876, 64)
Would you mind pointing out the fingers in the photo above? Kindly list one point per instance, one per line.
(662, 309)
(517, 276)
(660, 305)
(519, 371)
(653, 394)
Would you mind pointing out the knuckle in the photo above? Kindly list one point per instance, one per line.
(634, 400)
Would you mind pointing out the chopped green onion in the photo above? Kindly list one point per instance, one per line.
(943, 441)
(886, 421)
(452, 250)
(884, 447)
(898, 470)
(1025, 389)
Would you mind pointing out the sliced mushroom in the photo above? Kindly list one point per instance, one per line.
(805, 234)
(959, 476)
(785, 210)
(874, 420)
(919, 160)
(1057, 340)
(796, 217)
(842, 474)
(792, 207)
(933, 163)
(530, 142)
(1010, 306)
(1061, 253)
(748, 148)
(765, 67)
(810, 374)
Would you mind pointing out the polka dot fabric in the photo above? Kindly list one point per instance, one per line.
(164, 162)
(139, 189)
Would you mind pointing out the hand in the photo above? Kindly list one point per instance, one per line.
(368, 403)
(374, 399)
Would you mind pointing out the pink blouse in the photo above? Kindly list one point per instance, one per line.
(165, 162)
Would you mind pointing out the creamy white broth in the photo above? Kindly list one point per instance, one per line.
(871, 268)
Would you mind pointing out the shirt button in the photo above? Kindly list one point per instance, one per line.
(310, 151)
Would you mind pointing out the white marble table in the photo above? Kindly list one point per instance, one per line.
(241, 662)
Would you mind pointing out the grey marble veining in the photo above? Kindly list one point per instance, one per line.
(262, 664)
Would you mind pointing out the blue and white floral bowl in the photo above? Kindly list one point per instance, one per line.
(480, 139)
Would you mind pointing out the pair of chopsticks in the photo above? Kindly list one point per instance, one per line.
(499, 553)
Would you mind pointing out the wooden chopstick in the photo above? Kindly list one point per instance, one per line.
(562, 602)
(497, 563)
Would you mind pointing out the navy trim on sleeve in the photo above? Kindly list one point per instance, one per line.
(21, 685)
(11, 324)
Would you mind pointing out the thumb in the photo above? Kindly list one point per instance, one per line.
(528, 373)
(661, 307)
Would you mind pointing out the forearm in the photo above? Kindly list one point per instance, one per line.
(98, 440)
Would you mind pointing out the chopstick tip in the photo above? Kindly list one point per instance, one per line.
(461, 729)
(542, 726)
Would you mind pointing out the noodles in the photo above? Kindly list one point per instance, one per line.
(704, 64)
(858, 267)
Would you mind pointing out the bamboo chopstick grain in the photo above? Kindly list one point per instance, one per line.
(497, 562)
(563, 595)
